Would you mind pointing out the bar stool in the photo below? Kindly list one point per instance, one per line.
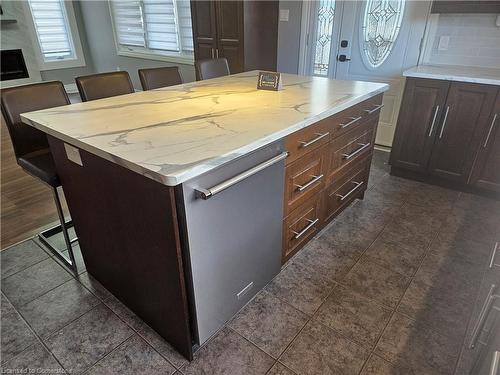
(156, 78)
(212, 68)
(32, 151)
(104, 85)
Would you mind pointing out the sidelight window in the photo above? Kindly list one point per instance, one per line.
(323, 36)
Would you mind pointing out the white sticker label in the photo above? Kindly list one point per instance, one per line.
(73, 154)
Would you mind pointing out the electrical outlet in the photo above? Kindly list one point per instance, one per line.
(284, 15)
(444, 41)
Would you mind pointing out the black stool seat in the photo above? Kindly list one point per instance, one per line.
(40, 164)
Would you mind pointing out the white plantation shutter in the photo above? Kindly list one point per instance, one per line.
(52, 29)
(160, 25)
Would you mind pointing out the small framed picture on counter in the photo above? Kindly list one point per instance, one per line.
(269, 81)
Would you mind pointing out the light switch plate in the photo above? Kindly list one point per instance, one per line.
(73, 154)
(444, 41)
(284, 15)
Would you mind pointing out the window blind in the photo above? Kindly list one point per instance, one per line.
(51, 25)
(163, 25)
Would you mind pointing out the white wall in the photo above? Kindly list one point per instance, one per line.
(289, 37)
(474, 40)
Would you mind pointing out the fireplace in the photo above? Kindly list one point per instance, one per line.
(13, 65)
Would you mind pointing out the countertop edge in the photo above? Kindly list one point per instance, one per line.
(453, 78)
(180, 177)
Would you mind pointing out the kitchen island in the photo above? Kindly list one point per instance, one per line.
(186, 200)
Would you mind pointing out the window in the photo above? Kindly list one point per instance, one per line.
(156, 29)
(56, 34)
(323, 40)
(380, 28)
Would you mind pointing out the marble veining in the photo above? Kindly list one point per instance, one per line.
(177, 133)
(487, 76)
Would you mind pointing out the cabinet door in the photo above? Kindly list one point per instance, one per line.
(467, 110)
(230, 34)
(486, 171)
(204, 29)
(422, 105)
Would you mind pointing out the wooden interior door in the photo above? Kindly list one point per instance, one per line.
(204, 29)
(422, 105)
(230, 34)
(468, 107)
(486, 171)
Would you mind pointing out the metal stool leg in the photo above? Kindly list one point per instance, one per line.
(71, 263)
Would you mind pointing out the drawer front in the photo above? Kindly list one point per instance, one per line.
(306, 140)
(351, 147)
(343, 191)
(300, 226)
(304, 178)
(350, 118)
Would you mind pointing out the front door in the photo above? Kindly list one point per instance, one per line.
(373, 40)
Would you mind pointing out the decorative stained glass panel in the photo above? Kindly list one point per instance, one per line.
(381, 24)
(323, 40)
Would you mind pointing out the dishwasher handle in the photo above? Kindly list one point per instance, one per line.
(210, 192)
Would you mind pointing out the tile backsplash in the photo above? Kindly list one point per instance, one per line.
(463, 39)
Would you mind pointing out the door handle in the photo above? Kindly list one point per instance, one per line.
(210, 192)
(488, 304)
(217, 53)
(444, 122)
(433, 120)
(493, 256)
(213, 53)
(343, 58)
(489, 131)
(495, 364)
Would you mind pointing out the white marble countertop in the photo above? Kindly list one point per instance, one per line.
(456, 73)
(174, 134)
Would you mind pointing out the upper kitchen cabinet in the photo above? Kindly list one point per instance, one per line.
(467, 109)
(244, 32)
(422, 105)
(486, 171)
(466, 7)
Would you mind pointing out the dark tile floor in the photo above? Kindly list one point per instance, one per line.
(389, 287)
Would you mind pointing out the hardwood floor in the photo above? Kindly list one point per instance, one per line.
(27, 205)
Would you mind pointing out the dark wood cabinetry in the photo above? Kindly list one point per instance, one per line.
(327, 168)
(244, 32)
(486, 170)
(440, 129)
(475, 6)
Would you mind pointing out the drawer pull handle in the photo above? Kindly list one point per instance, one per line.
(485, 310)
(305, 230)
(353, 120)
(315, 179)
(377, 108)
(343, 197)
(357, 151)
(319, 136)
(493, 256)
(495, 364)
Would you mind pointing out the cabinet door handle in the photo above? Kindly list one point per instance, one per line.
(433, 120)
(489, 131)
(493, 256)
(213, 53)
(444, 122)
(377, 108)
(353, 120)
(314, 140)
(301, 188)
(358, 184)
(357, 151)
(305, 230)
(495, 364)
(217, 53)
(488, 303)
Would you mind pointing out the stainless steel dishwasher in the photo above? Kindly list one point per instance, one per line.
(233, 223)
